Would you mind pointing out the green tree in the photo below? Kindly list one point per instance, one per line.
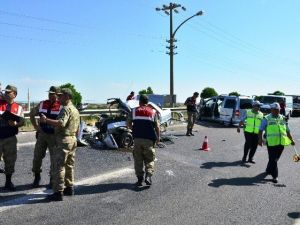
(234, 93)
(77, 98)
(208, 92)
(277, 93)
(147, 91)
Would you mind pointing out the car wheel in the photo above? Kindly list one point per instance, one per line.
(125, 140)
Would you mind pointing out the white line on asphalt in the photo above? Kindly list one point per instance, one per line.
(40, 193)
(297, 222)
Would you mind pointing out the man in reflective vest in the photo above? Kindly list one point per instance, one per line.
(251, 121)
(278, 135)
(45, 132)
(11, 119)
(144, 123)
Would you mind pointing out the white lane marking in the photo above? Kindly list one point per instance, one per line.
(170, 173)
(26, 144)
(297, 222)
(40, 193)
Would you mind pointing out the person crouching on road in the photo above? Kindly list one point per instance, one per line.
(278, 135)
(251, 122)
(192, 111)
(9, 128)
(66, 126)
(44, 132)
(145, 126)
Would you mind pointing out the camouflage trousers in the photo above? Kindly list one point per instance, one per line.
(43, 142)
(63, 163)
(191, 120)
(143, 155)
(8, 150)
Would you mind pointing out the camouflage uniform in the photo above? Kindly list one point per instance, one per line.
(143, 152)
(11, 119)
(64, 151)
(45, 134)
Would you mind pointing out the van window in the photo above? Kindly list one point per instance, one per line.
(271, 99)
(230, 103)
(246, 103)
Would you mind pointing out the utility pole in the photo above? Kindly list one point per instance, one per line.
(169, 11)
(28, 99)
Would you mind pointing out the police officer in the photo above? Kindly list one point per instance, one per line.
(66, 126)
(278, 135)
(191, 107)
(9, 127)
(45, 132)
(251, 121)
(145, 126)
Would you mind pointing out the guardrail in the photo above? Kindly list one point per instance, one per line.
(91, 112)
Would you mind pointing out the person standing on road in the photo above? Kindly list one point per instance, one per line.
(44, 132)
(130, 96)
(144, 123)
(9, 128)
(251, 122)
(66, 126)
(192, 111)
(278, 135)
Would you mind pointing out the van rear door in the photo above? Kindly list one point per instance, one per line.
(226, 111)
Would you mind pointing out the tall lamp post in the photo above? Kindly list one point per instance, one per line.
(169, 11)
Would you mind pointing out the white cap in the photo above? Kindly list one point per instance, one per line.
(254, 103)
(275, 105)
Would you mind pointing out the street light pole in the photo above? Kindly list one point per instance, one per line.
(169, 11)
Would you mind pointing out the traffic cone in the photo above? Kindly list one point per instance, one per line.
(205, 145)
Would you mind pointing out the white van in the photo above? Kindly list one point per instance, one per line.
(225, 109)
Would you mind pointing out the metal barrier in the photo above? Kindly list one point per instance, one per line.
(91, 112)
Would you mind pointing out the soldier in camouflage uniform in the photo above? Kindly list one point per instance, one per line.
(9, 127)
(66, 126)
(44, 132)
(145, 126)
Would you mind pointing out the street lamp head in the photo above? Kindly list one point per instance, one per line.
(157, 9)
(200, 13)
(183, 8)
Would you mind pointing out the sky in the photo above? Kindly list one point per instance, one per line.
(109, 48)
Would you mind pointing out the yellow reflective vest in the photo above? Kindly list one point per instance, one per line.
(276, 131)
(253, 121)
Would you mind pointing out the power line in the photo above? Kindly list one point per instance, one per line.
(36, 28)
(41, 19)
(37, 40)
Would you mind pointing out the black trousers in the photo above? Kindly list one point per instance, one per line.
(250, 144)
(274, 155)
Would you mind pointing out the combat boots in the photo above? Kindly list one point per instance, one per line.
(56, 196)
(191, 133)
(139, 183)
(148, 180)
(69, 191)
(188, 132)
(8, 184)
(36, 181)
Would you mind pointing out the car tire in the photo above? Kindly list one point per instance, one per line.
(125, 140)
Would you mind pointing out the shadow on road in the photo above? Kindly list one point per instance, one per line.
(212, 124)
(294, 215)
(240, 181)
(210, 165)
(103, 188)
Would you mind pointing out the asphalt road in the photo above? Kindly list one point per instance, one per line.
(190, 186)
